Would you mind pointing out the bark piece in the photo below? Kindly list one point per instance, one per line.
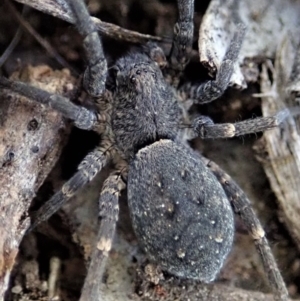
(279, 150)
(267, 22)
(31, 139)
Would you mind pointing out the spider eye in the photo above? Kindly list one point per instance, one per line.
(132, 79)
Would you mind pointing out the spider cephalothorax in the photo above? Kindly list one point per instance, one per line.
(145, 107)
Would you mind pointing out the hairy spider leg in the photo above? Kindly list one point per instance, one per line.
(213, 89)
(205, 128)
(91, 165)
(109, 214)
(242, 206)
(95, 75)
(182, 41)
(82, 117)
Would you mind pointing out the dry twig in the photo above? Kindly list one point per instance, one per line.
(44, 43)
(60, 10)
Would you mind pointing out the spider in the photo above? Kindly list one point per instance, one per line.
(181, 204)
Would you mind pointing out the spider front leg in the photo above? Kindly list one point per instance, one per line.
(109, 213)
(242, 206)
(95, 75)
(82, 117)
(205, 128)
(213, 89)
(182, 40)
(87, 170)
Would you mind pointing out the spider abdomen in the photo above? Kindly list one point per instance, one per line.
(179, 211)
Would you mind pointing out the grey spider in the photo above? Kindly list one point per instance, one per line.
(181, 204)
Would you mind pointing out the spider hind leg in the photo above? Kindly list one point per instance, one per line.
(242, 207)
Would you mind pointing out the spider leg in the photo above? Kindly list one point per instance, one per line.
(87, 170)
(96, 72)
(213, 89)
(242, 206)
(205, 128)
(109, 212)
(82, 117)
(182, 40)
